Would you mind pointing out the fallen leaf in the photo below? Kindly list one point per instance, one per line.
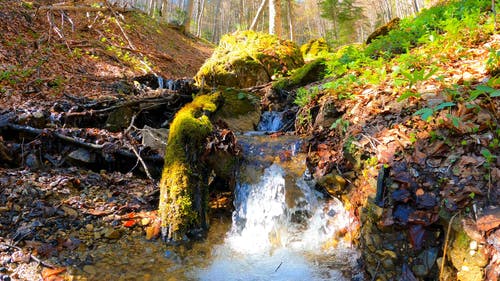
(416, 235)
(50, 272)
(129, 223)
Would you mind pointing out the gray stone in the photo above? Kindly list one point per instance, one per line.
(82, 155)
(155, 138)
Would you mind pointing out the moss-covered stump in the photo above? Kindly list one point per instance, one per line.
(314, 48)
(239, 110)
(247, 58)
(183, 190)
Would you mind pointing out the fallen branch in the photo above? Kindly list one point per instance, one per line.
(100, 147)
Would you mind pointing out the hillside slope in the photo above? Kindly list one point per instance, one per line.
(48, 51)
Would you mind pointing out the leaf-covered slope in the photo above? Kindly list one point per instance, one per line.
(423, 102)
(82, 50)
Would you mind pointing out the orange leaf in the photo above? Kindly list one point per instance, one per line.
(48, 272)
(129, 223)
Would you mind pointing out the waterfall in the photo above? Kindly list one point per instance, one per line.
(282, 228)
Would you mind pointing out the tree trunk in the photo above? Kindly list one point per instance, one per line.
(189, 12)
(200, 16)
(290, 19)
(259, 12)
(215, 29)
(275, 17)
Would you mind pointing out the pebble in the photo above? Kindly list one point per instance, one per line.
(473, 245)
(89, 227)
(111, 233)
(90, 269)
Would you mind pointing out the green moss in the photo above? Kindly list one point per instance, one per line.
(469, 264)
(248, 58)
(308, 73)
(315, 48)
(183, 193)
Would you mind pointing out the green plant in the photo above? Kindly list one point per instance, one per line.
(304, 96)
(427, 112)
(340, 124)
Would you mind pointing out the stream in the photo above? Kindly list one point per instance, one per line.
(281, 229)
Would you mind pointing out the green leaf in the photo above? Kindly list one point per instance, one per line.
(445, 105)
(406, 95)
(495, 94)
(425, 113)
(485, 89)
(242, 96)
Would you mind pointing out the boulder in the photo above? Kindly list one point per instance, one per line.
(239, 110)
(247, 58)
(383, 30)
(314, 48)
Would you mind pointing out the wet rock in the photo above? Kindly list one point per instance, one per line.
(425, 261)
(239, 110)
(155, 138)
(332, 183)
(327, 115)
(32, 161)
(90, 269)
(401, 195)
(82, 155)
(112, 233)
(469, 264)
(119, 119)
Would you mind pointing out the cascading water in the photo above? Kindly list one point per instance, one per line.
(282, 228)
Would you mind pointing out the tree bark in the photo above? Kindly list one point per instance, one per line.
(200, 16)
(290, 19)
(275, 17)
(259, 12)
(189, 13)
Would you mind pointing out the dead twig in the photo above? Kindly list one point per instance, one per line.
(445, 248)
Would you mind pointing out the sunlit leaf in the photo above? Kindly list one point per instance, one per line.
(425, 113)
(495, 94)
(444, 105)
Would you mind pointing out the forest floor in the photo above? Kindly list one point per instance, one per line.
(57, 59)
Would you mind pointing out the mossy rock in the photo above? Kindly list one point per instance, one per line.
(383, 30)
(314, 48)
(247, 58)
(239, 110)
(310, 72)
(469, 263)
(183, 190)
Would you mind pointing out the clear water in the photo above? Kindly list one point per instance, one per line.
(282, 229)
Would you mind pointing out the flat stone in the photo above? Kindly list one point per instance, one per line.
(112, 233)
(82, 155)
(155, 138)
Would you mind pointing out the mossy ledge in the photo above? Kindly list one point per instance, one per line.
(248, 58)
(183, 190)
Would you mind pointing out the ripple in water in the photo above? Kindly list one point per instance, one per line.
(282, 232)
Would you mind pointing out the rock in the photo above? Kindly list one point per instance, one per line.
(469, 264)
(32, 161)
(155, 138)
(82, 155)
(314, 48)
(333, 183)
(327, 115)
(239, 110)
(119, 119)
(112, 233)
(89, 227)
(90, 269)
(310, 72)
(383, 30)
(247, 58)
(425, 261)
(490, 219)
